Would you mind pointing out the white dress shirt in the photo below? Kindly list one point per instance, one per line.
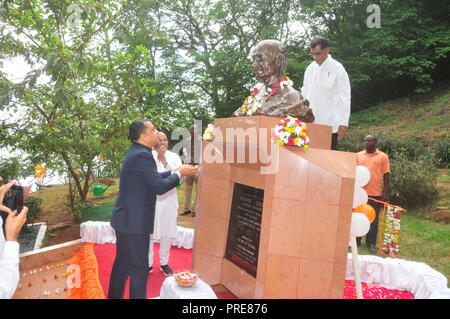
(327, 88)
(9, 266)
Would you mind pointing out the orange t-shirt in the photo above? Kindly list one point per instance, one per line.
(378, 165)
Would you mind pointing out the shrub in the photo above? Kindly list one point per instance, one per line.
(34, 209)
(413, 183)
(411, 147)
(442, 152)
(352, 142)
(413, 173)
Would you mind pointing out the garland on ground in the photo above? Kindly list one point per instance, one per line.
(389, 230)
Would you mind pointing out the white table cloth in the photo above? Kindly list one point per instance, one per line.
(102, 233)
(171, 290)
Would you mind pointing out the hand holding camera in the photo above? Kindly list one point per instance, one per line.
(17, 213)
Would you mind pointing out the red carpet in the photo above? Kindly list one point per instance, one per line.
(180, 259)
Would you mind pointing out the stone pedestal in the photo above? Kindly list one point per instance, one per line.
(304, 226)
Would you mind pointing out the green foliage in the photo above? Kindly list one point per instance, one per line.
(13, 168)
(413, 173)
(95, 86)
(34, 209)
(442, 151)
(413, 182)
(408, 52)
(174, 61)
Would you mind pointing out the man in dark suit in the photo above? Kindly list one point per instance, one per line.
(134, 212)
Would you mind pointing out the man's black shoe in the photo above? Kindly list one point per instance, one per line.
(166, 270)
(193, 214)
(372, 248)
(150, 269)
(186, 212)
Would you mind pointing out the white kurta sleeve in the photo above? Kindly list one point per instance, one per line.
(344, 97)
(9, 269)
(306, 86)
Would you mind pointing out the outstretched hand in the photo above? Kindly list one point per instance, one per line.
(187, 170)
(14, 223)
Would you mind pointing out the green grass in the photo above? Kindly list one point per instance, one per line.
(422, 241)
(425, 241)
(372, 116)
(424, 116)
(444, 178)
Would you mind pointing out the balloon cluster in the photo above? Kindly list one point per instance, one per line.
(39, 171)
(363, 214)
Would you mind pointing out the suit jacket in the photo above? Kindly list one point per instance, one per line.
(140, 182)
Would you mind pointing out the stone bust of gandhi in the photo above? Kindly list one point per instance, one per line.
(269, 97)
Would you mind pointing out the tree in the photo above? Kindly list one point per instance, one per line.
(408, 51)
(210, 45)
(84, 88)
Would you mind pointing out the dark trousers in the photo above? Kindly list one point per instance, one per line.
(131, 261)
(334, 140)
(371, 237)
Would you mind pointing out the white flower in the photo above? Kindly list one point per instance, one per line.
(285, 135)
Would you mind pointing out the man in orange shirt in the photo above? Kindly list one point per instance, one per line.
(377, 163)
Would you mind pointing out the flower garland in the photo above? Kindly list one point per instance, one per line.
(253, 102)
(391, 225)
(291, 131)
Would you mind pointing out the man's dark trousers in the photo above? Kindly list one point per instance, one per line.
(334, 141)
(371, 237)
(131, 261)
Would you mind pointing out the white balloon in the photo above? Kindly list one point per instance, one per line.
(360, 225)
(362, 176)
(359, 197)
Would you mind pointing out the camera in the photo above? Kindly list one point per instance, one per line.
(14, 199)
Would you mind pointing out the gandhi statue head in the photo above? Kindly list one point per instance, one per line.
(269, 61)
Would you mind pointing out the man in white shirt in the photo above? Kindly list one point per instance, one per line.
(9, 250)
(327, 88)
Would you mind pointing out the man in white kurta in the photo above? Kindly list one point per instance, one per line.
(326, 86)
(9, 248)
(165, 226)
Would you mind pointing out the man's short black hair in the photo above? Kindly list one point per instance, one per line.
(136, 129)
(374, 138)
(319, 41)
